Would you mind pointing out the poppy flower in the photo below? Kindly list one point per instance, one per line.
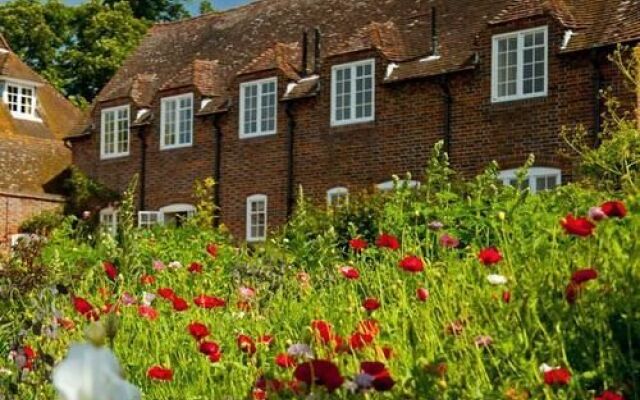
(371, 304)
(359, 340)
(557, 377)
(572, 292)
(387, 352)
(422, 294)
(377, 376)
(84, 308)
(204, 301)
(208, 348)
(28, 356)
(577, 226)
(110, 270)
(198, 330)
(388, 241)
(349, 272)
(195, 267)
(147, 279)
(506, 296)
(358, 244)
(147, 312)
(608, 395)
(212, 249)
(483, 341)
(158, 265)
(322, 329)
(246, 344)
(319, 372)
(179, 304)
(284, 360)
(159, 373)
(584, 275)
(449, 241)
(412, 264)
(215, 356)
(614, 208)
(369, 326)
(166, 293)
(267, 340)
(489, 256)
(435, 225)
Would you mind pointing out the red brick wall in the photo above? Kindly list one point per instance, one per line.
(15, 208)
(409, 120)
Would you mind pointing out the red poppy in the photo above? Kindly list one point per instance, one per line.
(557, 377)
(244, 306)
(195, 267)
(608, 395)
(205, 301)
(584, 275)
(247, 292)
(382, 380)
(359, 340)
(319, 372)
(212, 249)
(388, 241)
(166, 293)
(159, 373)
(246, 344)
(285, 361)
(350, 272)
(147, 312)
(322, 329)
(368, 326)
(179, 304)
(84, 308)
(371, 304)
(215, 357)
(577, 226)
(387, 352)
(506, 296)
(29, 356)
(449, 241)
(422, 294)
(614, 208)
(572, 292)
(147, 279)
(266, 340)
(110, 270)
(412, 264)
(489, 256)
(198, 330)
(358, 244)
(265, 385)
(209, 348)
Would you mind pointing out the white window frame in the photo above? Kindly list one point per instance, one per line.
(163, 116)
(110, 228)
(20, 85)
(334, 91)
(391, 185)
(339, 191)
(495, 98)
(241, 122)
(508, 175)
(116, 153)
(142, 214)
(250, 200)
(177, 208)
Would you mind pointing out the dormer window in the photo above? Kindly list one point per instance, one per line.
(114, 132)
(258, 108)
(21, 100)
(519, 65)
(176, 129)
(353, 93)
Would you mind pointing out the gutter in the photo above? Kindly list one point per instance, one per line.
(291, 126)
(217, 169)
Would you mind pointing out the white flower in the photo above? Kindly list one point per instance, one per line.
(544, 367)
(91, 372)
(147, 298)
(300, 350)
(495, 279)
(175, 264)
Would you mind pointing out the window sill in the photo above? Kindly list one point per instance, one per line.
(518, 99)
(257, 135)
(175, 147)
(113, 157)
(335, 124)
(26, 117)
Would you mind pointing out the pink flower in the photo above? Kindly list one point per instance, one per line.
(422, 294)
(158, 265)
(449, 241)
(247, 292)
(596, 214)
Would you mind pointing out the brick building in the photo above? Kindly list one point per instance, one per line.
(338, 95)
(34, 118)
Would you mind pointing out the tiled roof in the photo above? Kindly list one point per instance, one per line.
(203, 74)
(32, 153)
(266, 34)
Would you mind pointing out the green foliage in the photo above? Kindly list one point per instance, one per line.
(205, 206)
(154, 10)
(206, 7)
(43, 223)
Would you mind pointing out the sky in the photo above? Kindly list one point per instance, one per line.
(192, 5)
